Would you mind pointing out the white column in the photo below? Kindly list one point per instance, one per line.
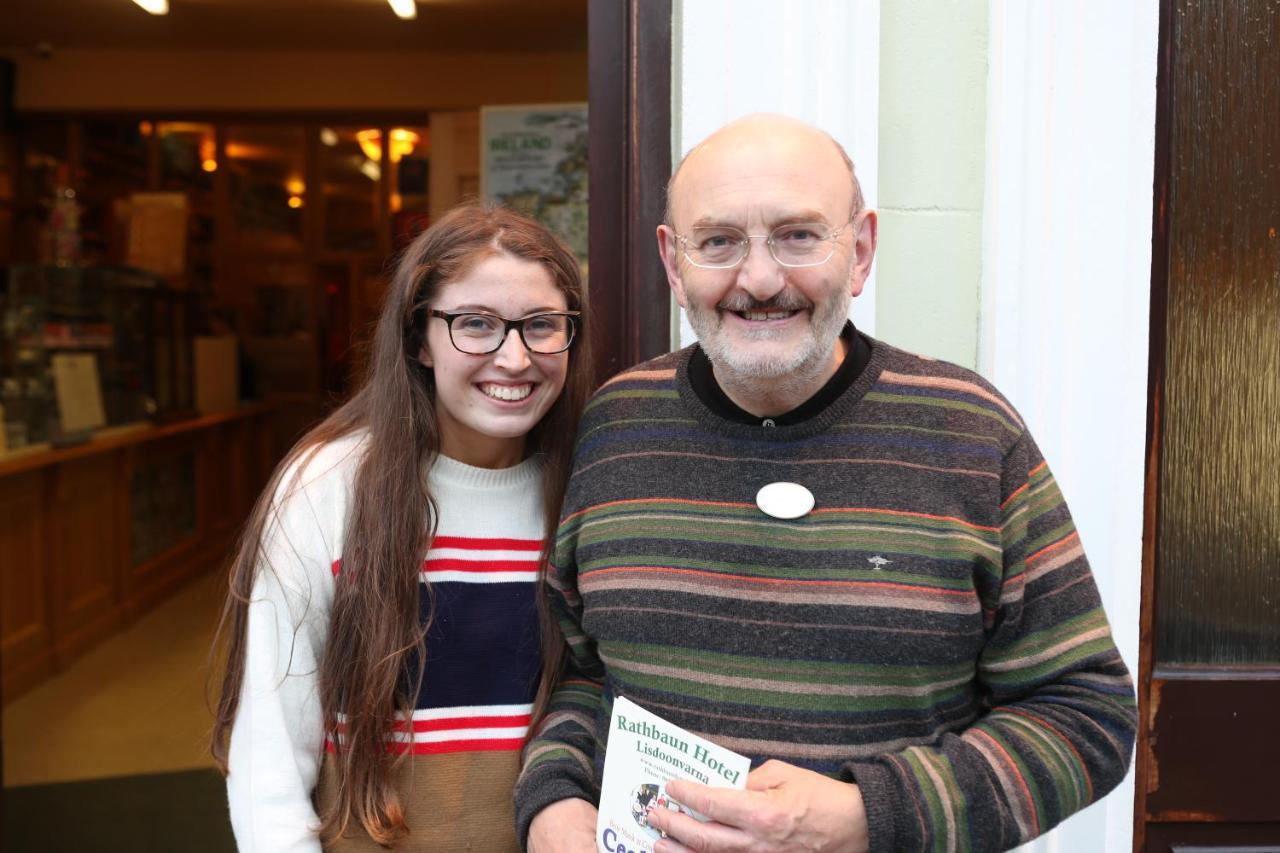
(816, 60)
(1066, 256)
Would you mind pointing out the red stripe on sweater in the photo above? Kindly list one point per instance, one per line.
(467, 543)
(451, 723)
(926, 590)
(507, 745)
(457, 565)
(504, 745)
(1069, 539)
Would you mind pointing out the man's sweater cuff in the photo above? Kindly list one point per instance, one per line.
(879, 797)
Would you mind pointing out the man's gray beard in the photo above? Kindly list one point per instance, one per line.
(796, 367)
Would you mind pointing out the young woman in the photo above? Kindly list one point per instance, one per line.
(384, 653)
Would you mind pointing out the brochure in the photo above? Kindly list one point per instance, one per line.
(644, 752)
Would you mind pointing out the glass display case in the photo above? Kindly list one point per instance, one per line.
(138, 329)
(266, 167)
(350, 206)
(188, 164)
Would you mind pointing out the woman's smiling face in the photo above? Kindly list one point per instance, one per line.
(486, 404)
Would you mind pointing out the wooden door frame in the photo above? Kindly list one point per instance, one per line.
(1155, 409)
(629, 162)
(1163, 689)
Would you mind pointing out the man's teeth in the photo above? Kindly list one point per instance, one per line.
(765, 315)
(509, 393)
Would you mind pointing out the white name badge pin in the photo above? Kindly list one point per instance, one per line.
(784, 500)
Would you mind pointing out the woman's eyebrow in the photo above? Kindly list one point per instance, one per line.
(475, 308)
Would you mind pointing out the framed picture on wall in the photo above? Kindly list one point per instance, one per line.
(533, 158)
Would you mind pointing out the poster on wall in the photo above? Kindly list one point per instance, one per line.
(533, 158)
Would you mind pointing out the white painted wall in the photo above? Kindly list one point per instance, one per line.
(933, 90)
(1066, 259)
(816, 60)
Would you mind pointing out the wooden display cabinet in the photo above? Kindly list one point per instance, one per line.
(93, 536)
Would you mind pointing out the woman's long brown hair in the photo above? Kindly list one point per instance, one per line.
(374, 624)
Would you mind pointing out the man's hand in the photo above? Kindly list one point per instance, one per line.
(568, 826)
(784, 808)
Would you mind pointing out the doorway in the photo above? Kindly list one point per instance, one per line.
(1210, 661)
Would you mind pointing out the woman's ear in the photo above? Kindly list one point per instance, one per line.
(424, 356)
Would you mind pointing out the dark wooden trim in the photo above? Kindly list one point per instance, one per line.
(1213, 838)
(1215, 672)
(629, 162)
(1216, 758)
(1144, 760)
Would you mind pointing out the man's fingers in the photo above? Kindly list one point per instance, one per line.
(670, 845)
(696, 835)
(723, 805)
(689, 794)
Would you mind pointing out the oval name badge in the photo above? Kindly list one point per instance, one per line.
(784, 500)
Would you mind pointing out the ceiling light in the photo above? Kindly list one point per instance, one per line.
(403, 141)
(404, 9)
(155, 7)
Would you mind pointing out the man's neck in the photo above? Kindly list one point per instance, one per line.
(778, 396)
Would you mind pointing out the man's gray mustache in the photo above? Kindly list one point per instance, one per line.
(776, 303)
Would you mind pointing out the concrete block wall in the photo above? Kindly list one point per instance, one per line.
(933, 79)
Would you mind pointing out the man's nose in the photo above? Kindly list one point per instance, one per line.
(760, 275)
(512, 355)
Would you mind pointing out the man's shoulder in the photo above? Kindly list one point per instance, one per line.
(644, 391)
(656, 372)
(918, 374)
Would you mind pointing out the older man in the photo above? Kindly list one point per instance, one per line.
(846, 561)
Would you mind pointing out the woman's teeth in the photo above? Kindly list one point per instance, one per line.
(510, 393)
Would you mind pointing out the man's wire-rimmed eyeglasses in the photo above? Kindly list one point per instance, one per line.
(477, 333)
(795, 244)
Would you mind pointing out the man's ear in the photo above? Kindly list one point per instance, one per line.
(670, 253)
(864, 249)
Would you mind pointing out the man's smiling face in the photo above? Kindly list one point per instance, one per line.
(760, 320)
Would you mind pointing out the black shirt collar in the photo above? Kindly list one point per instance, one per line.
(703, 381)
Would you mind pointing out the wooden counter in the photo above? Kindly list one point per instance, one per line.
(92, 536)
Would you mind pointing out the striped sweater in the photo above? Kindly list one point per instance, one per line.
(930, 631)
(463, 742)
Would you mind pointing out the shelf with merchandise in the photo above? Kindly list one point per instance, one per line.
(137, 329)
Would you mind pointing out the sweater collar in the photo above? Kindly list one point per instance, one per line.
(451, 472)
(845, 398)
(703, 382)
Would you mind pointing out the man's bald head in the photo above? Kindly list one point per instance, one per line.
(765, 129)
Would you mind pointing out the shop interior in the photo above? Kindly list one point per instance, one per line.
(189, 267)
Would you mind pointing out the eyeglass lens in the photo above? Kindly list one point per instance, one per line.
(797, 245)
(479, 334)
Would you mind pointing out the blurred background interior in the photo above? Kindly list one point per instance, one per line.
(196, 215)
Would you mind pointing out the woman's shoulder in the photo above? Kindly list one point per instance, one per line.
(323, 469)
